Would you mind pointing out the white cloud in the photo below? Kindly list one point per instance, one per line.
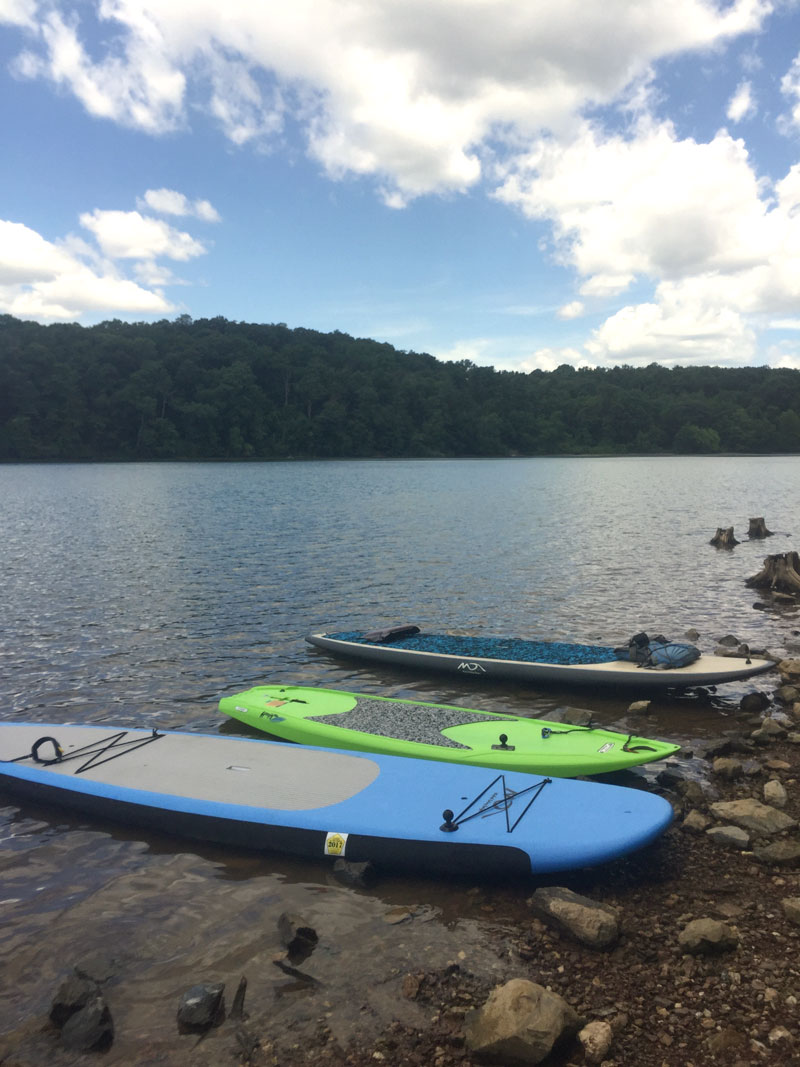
(716, 242)
(550, 358)
(131, 235)
(407, 93)
(170, 202)
(435, 96)
(45, 280)
(18, 12)
(41, 280)
(784, 354)
(679, 333)
(475, 350)
(573, 310)
(25, 256)
(790, 87)
(137, 86)
(742, 104)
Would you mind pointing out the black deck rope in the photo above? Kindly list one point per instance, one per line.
(547, 731)
(452, 822)
(93, 750)
(628, 747)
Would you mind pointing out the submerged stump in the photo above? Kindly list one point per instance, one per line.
(724, 538)
(758, 529)
(780, 574)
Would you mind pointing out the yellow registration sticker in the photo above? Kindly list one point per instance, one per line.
(335, 844)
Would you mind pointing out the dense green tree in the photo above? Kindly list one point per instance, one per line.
(212, 388)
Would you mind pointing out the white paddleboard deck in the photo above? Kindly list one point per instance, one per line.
(707, 670)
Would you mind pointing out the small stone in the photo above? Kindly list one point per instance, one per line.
(726, 767)
(770, 729)
(639, 707)
(349, 873)
(201, 1007)
(754, 702)
(729, 837)
(780, 1035)
(790, 671)
(596, 1038)
(785, 851)
(519, 1024)
(775, 794)
(297, 936)
(398, 915)
(703, 937)
(577, 716)
(791, 909)
(752, 815)
(696, 822)
(73, 994)
(726, 1040)
(584, 919)
(90, 1029)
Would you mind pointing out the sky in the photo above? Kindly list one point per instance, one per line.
(517, 183)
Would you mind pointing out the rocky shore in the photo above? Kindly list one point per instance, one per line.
(683, 955)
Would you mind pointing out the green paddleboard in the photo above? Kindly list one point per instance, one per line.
(365, 723)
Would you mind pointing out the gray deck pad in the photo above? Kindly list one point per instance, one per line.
(224, 770)
(405, 722)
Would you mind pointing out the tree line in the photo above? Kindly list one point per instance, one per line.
(216, 389)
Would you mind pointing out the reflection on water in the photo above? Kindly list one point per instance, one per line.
(140, 594)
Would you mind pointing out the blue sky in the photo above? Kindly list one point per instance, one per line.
(517, 184)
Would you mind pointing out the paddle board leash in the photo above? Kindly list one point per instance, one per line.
(93, 750)
(493, 804)
(548, 731)
(628, 747)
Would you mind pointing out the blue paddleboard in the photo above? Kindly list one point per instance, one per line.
(317, 802)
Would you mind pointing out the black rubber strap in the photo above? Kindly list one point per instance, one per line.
(59, 752)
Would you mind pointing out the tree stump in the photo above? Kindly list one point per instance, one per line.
(758, 529)
(724, 538)
(780, 573)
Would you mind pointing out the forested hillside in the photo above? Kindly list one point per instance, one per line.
(217, 389)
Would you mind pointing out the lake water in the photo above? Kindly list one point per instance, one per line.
(139, 594)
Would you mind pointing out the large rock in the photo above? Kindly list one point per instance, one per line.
(753, 815)
(520, 1024)
(585, 920)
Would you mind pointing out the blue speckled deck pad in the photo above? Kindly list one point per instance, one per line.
(513, 648)
(404, 721)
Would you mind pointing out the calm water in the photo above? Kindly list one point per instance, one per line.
(139, 594)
